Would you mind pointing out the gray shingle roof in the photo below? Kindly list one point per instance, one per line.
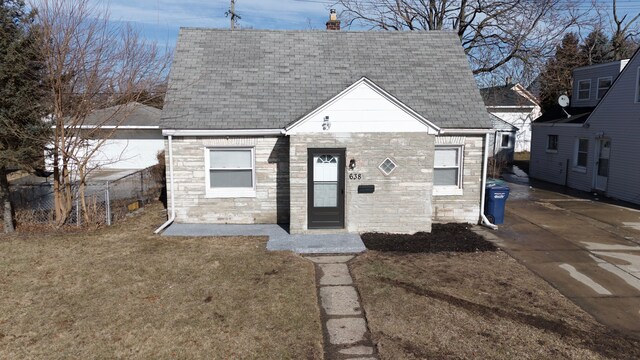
(131, 114)
(504, 96)
(263, 79)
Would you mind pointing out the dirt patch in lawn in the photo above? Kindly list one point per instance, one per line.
(442, 238)
(122, 292)
(475, 305)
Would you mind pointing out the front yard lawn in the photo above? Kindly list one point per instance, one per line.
(122, 292)
(480, 305)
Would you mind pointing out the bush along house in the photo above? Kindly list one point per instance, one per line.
(326, 131)
(592, 145)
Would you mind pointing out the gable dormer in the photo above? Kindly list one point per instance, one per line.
(590, 83)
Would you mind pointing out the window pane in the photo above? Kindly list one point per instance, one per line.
(446, 158)
(583, 145)
(582, 159)
(231, 159)
(325, 194)
(445, 177)
(505, 140)
(231, 178)
(584, 85)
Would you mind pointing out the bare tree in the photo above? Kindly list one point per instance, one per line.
(623, 34)
(91, 63)
(494, 33)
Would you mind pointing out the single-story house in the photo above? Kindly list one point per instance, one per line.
(592, 144)
(514, 104)
(121, 138)
(326, 131)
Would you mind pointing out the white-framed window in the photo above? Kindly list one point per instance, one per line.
(638, 86)
(552, 143)
(584, 89)
(604, 83)
(387, 166)
(581, 154)
(505, 140)
(447, 170)
(230, 172)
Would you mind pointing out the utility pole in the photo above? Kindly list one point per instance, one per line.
(232, 14)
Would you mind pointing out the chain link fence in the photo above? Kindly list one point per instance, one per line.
(106, 202)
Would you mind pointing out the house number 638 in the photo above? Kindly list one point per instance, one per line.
(355, 176)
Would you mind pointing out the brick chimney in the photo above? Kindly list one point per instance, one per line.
(333, 23)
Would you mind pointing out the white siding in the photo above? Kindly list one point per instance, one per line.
(362, 109)
(522, 120)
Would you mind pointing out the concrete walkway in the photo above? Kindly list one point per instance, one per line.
(587, 249)
(279, 238)
(346, 335)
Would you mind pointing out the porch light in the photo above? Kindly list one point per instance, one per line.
(326, 125)
(352, 164)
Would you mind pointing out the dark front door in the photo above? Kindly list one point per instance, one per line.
(326, 188)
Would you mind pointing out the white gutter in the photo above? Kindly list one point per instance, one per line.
(465, 131)
(173, 199)
(238, 132)
(483, 183)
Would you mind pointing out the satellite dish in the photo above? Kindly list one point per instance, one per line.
(563, 101)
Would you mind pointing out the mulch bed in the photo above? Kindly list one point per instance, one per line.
(442, 238)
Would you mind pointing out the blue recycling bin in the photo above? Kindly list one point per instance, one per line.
(496, 198)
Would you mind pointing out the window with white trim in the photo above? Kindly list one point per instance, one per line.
(603, 86)
(230, 172)
(581, 154)
(584, 89)
(447, 170)
(638, 86)
(552, 143)
(504, 141)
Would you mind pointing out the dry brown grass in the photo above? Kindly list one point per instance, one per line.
(478, 305)
(121, 292)
(522, 156)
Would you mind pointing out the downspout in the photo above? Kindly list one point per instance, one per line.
(483, 183)
(173, 202)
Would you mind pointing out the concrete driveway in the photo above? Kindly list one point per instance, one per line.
(588, 249)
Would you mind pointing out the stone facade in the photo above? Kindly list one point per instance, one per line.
(466, 207)
(401, 202)
(271, 203)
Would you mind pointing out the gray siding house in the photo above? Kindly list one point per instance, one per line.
(596, 147)
(324, 130)
(502, 140)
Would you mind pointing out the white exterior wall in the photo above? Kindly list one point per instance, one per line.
(126, 149)
(521, 120)
(128, 153)
(362, 108)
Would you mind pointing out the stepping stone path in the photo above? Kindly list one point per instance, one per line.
(346, 335)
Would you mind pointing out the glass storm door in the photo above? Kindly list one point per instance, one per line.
(326, 188)
(602, 164)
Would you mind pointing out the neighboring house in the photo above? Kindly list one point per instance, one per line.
(350, 131)
(133, 137)
(595, 147)
(514, 104)
(502, 139)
